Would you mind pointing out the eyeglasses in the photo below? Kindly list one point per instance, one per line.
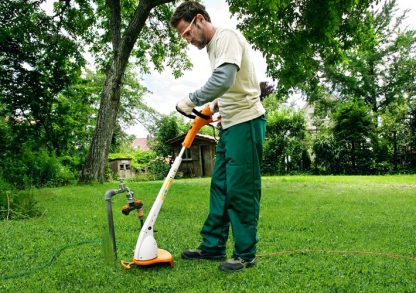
(187, 32)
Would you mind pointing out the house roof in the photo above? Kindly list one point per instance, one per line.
(120, 159)
(200, 137)
(140, 143)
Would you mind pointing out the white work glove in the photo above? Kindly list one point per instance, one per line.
(213, 106)
(185, 106)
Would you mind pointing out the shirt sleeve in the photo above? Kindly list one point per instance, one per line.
(220, 81)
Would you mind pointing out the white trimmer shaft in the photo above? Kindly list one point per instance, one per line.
(146, 246)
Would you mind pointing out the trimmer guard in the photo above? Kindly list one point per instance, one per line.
(163, 256)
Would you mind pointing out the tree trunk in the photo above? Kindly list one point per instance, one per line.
(96, 161)
(395, 151)
(95, 164)
(353, 159)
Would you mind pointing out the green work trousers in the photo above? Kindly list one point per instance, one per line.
(235, 190)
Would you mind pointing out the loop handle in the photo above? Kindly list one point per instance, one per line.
(204, 118)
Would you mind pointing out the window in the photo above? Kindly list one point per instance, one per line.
(121, 166)
(187, 156)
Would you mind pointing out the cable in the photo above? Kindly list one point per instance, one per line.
(50, 262)
(213, 129)
(309, 251)
(298, 251)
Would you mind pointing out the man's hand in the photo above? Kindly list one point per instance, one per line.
(213, 106)
(185, 106)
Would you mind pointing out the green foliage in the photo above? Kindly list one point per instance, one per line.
(132, 107)
(411, 123)
(331, 51)
(114, 156)
(142, 159)
(28, 168)
(380, 69)
(325, 152)
(36, 64)
(73, 117)
(295, 36)
(304, 221)
(285, 149)
(167, 127)
(353, 122)
(124, 29)
(346, 48)
(350, 142)
(273, 102)
(121, 141)
(354, 136)
(395, 135)
(147, 164)
(342, 51)
(378, 72)
(159, 168)
(150, 166)
(47, 104)
(157, 45)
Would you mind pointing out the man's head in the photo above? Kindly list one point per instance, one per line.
(193, 23)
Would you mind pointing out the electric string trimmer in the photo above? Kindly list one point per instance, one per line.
(146, 251)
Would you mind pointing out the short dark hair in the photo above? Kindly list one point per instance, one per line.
(187, 11)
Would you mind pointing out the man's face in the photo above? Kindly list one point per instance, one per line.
(193, 32)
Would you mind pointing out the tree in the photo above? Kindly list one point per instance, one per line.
(395, 135)
(45, 102)
(381, 68)
(168, 127)
(111, 30)
(132, 107)
(354, 133)
(37, 63)
(325, 152)
(266, 89)
(411, 123)
(285, 146)
(296, 36)
(123, 23)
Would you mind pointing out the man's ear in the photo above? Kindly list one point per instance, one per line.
(200, 17)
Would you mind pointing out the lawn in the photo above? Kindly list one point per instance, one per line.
(317, 234)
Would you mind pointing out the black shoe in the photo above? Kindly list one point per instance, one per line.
(236, 264)
(199, 254)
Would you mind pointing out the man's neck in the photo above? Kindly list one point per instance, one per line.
(210, 31)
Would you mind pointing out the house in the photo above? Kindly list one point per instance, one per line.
(197, 161)
(141, 143)
(122, 167)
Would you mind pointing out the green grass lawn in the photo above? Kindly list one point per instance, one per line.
(332, 219)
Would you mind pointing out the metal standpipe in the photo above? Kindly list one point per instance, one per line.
(107, 196)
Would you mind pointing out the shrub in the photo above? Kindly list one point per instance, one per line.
(35, 169)
(16, 204)
(148, 165)
(159, 167)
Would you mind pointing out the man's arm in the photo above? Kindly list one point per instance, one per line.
(222, 78)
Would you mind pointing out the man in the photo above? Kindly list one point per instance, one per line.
(233, 89)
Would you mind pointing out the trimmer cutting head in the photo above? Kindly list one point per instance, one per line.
(163, 256)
